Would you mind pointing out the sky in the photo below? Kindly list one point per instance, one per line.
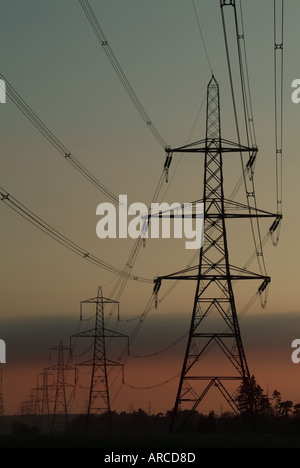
(51, 56)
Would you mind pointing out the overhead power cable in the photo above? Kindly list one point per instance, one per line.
(120, 285)
(250, 131)
(163, 350)
(278, 88)
(94, 22)
(151, 387)
(19, 208)
(202, 38)
(55, 142)
(249, 118)
(248, 184)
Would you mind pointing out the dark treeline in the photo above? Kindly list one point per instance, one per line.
(142, 423)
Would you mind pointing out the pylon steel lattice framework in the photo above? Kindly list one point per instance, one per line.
(44, 397)
(99, 397)
(214, 276)
(59, 369)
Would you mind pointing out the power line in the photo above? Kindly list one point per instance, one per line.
(119, 287)
(27, 214)
(55, 142)
(94, 22)
(248, 98)
(71, 159)
(202, 38)
(160, 351)
(278, 97)
(249, 190)
(151, 387)
(246, 95)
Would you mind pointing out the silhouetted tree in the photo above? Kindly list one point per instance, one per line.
(277, 399)
(251, 397)
(296, 411)
(245, 398)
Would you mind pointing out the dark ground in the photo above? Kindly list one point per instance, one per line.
(141, 431)
(153, 442)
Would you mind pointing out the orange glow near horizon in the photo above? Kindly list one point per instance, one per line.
(272, 372)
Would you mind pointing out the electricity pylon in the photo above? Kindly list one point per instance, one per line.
(60, 384)
(99, 398)
(214, 322)
(44, 397)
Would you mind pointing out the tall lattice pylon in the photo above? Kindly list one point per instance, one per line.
(214, 324)
(99, 396)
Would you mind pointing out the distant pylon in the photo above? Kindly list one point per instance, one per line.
(60, 384)
(44, 397)
(99, 398)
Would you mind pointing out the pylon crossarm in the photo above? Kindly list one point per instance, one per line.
(117, 364)
(232, 210)
(88, 362)
(212, 145)
(111, 363)
(94, 300)
(85, 334)
(215, 277)
(113, 334)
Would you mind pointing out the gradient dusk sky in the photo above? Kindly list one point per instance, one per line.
(51, 56)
